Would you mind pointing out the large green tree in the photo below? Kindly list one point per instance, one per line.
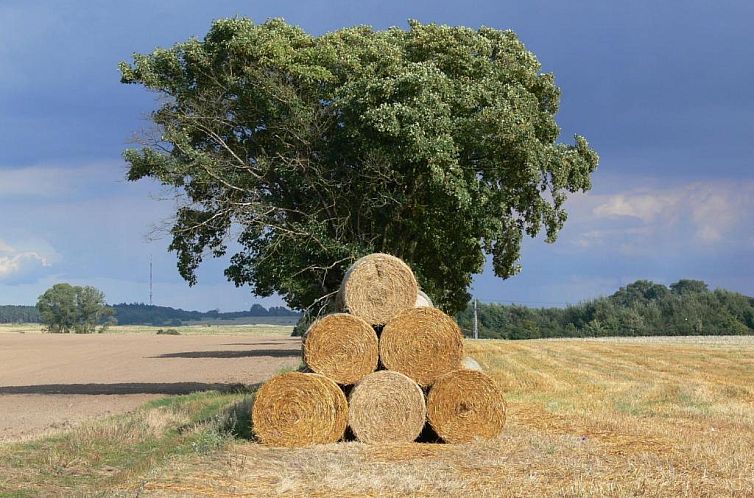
(67, 308)
(300, 153)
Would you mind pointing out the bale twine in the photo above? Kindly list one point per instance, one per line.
(299, 409)
(342, 347)
(377, 287)
(470, 363)
(386, 407)
(422, 343)
(465, 404)
(423, 300)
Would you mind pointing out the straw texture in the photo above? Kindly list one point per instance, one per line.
(341, 346)
(377, 287)
(422, 343)
(299, 409)
(470, 363)
(386, 407)
(465, 404)
(423, 300)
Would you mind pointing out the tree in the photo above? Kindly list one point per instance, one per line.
(436, 144)
(642, 308)
(687, 286)
(66, 308)
(641, 291)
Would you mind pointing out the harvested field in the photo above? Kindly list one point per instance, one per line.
(50, 382)
(585, 418)
(200, 329)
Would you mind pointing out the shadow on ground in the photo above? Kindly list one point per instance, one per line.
(272, 353)
(125, 388)
(258, 343)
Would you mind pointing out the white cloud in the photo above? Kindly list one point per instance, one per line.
(695, 213)
(646, 207)
(14, 262)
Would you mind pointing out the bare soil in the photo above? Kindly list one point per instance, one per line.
(50, 382)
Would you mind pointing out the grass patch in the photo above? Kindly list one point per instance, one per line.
(167, 332)
(115, 453)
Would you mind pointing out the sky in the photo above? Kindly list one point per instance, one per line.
(664, 91)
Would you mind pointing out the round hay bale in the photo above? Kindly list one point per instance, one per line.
(377, 287)
(299, 409)
(422, 343)
(465, 404)
(470, 363)
(423, 300)
(386, 407)
(342, 347)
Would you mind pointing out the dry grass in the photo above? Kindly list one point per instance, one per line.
(585, 418)
(230, 329)
(111, 456)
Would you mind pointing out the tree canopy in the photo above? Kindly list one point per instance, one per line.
(643, 308)
(67, 308)
(300, 153)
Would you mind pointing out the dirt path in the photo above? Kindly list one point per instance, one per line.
(48, 382)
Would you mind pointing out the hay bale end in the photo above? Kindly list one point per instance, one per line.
(299, 409)
(423, 343)
(386, 407)
(342, 347)
(466, 404)
(377, 287)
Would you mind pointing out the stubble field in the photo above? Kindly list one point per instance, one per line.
(628, 417)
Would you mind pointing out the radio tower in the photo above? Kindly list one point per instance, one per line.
(150, 280)
(476, 321)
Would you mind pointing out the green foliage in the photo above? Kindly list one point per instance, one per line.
(167, 332)
(67, 308)
(303, 324)
(147, 314)
(19, 314)
(642, 308)
(688, 287)
(436, 144)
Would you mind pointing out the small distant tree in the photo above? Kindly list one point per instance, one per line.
(65, 308)
(258, 310)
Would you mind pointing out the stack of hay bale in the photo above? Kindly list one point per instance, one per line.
(399, 360)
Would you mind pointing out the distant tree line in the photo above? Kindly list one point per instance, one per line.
(643, 308)
(144, 314)
(19, 314)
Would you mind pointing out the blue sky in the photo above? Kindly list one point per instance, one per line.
(663, 90)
